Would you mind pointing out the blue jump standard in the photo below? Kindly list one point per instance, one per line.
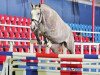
(91, 56)
(6, 53)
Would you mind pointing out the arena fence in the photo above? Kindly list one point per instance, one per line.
(32, 48)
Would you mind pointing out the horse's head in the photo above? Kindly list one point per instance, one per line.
(36, 16)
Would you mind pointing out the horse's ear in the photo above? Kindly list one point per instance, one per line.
(32, 6)
(39, 4)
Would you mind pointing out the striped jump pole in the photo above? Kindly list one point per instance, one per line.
(83, 56)
(53, 64)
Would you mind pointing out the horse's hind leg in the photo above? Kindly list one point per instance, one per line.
(66, 46)
(69, 44)
(56, 48)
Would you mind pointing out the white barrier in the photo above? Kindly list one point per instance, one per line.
(47, 64)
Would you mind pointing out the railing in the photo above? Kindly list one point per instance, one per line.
(32, 50)
(89, 44)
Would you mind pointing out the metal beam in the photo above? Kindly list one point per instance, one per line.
(93, 20)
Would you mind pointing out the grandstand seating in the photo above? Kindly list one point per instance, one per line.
(13, 30)
(82, 27)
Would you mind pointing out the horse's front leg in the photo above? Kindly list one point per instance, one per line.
(38, 41)
(48, 46)
(37, 37)
(45, 40)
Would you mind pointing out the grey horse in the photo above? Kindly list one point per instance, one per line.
(52, 27)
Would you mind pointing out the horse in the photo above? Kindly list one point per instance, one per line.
(52, 27)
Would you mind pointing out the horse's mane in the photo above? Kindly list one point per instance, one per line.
(44, 5)
(50, 13)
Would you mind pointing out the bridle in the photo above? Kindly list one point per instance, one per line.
(37, 22)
